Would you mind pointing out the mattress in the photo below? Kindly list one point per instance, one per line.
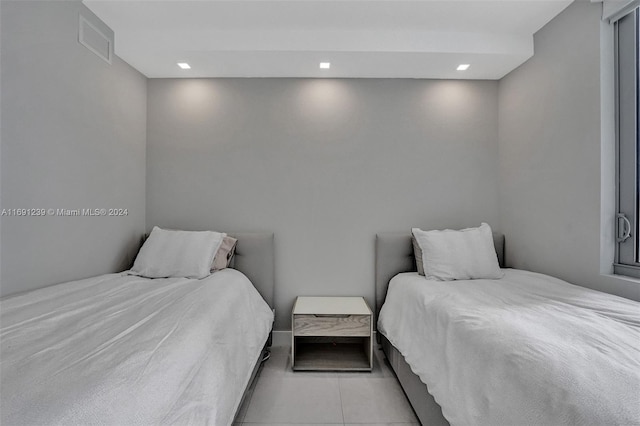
(524, 349)
(120, 349)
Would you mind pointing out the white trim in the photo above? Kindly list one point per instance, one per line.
(608, 170)
(614, 12)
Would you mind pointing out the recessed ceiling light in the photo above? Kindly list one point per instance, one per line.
(184, 65)
(463, 67)
(325, 65)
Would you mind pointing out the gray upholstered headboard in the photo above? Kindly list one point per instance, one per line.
(394, 254)
(255, 258)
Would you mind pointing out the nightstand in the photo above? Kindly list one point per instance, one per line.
(331, 333)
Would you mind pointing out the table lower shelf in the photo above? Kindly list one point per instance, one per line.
(336, 355)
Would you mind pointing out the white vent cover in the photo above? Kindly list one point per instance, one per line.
(95, 40)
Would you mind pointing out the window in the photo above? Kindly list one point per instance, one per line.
(627, 42)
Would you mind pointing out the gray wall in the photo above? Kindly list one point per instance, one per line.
(550, 155)
(325, 164)
(73, 136)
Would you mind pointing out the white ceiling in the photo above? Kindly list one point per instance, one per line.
(361, 38)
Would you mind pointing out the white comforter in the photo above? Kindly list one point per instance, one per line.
(123, 350)
(525, 349)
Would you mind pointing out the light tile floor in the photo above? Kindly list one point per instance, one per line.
(280, 396)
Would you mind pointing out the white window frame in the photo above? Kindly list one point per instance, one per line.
(627, 33)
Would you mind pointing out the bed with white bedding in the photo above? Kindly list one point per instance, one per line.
(523, 349)
(120, 349)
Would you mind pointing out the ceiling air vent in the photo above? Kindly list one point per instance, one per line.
(95, 40)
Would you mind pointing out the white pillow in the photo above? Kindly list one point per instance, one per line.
(169, 253)
(458, 255)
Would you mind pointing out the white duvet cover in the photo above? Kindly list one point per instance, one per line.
(124, 350)
(524, 349)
